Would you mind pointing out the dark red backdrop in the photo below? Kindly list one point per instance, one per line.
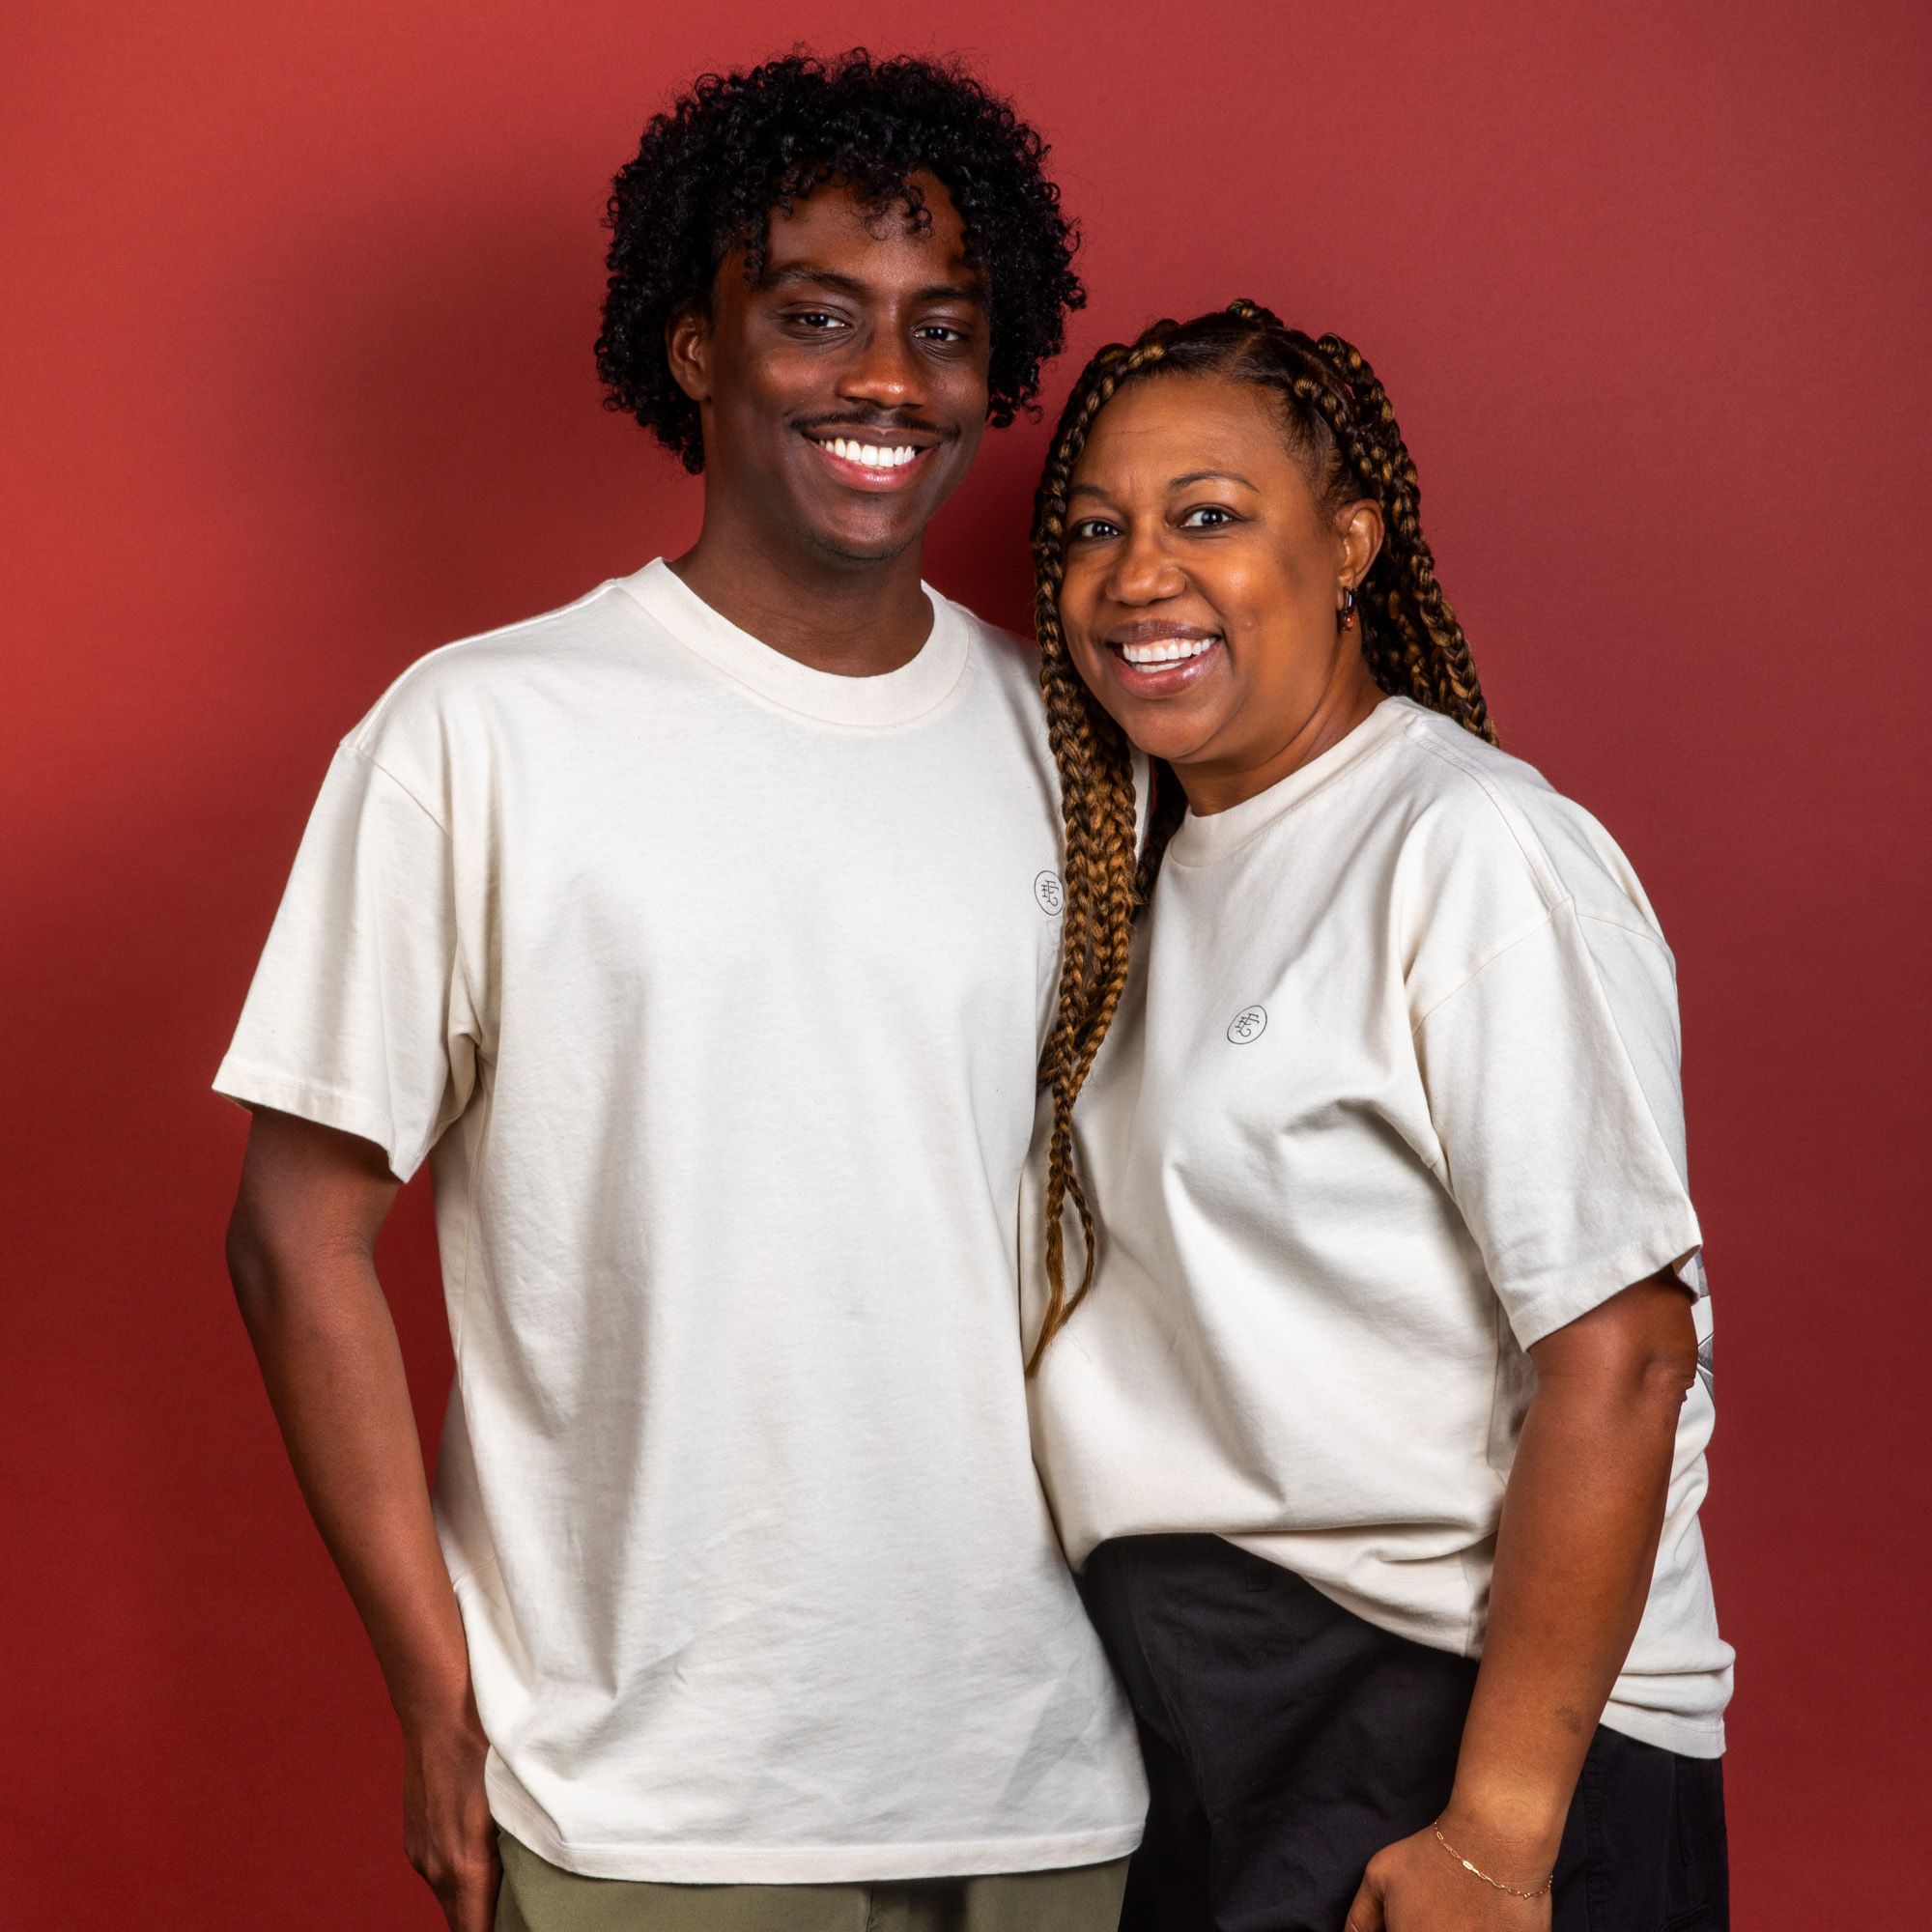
(294, 383)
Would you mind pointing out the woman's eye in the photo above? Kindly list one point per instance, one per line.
(1089, 529)
(1206, 517)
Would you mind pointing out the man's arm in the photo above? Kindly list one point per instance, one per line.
(1575, 1551)
(301, 1256)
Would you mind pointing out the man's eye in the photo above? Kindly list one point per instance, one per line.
(817, 320)
(942, 331)
(1213, 512)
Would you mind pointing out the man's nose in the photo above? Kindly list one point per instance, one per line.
(883, 371)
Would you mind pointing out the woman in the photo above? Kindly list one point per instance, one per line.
(1379, 1440)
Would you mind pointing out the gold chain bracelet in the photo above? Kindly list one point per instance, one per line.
(1515, 1892)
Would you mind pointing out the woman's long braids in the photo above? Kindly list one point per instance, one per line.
(1338, 418)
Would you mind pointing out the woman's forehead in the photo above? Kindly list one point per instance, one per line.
(1164, 426)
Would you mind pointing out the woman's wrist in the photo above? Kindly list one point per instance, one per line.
(1512, 1835)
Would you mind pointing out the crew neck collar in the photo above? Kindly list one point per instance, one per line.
(892, 697)
(1200, 841)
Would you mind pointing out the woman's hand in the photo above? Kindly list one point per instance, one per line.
(1415, 1886)
(1574, 1551)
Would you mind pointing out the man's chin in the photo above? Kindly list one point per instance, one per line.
(857, 549)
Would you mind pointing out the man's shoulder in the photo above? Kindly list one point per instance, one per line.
(491, 678)
(1004, 674)
(1008, 662)
(1007, 655)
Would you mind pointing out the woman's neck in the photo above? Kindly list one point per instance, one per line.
(1348, 698)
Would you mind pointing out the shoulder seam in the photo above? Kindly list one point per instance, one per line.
(376, 764)
(1637, 930)
(538, 621)
(1547, 884)
(1546, 917)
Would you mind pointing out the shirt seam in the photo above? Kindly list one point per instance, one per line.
(1547, 918)
(459, 955)
(1548, 883)
(1039, 1842)
(741, 683)
(1637, 930)
(376, 764)
(1355, 764)
(1563, 1296)
(400, 1154)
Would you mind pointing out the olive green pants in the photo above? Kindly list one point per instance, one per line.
(538, 1897)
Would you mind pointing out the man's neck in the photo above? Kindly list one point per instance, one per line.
(851, 617)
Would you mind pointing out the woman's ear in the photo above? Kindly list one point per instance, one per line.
(688, 351)
(1359, 526)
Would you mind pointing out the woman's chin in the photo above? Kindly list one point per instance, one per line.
(1166, 731)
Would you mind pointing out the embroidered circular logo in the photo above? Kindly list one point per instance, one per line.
(1250, 1023)
(1050, 893)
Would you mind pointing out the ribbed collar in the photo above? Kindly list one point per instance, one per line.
(894, 698)
(1202, 841)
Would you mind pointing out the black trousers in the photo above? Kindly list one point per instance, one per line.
(1287, 1742)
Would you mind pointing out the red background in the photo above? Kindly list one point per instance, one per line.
(296, 382)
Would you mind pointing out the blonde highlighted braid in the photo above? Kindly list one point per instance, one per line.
(1338, 418)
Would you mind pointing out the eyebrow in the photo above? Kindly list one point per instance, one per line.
(1211, 476)
(1177, 483)
(798, 273)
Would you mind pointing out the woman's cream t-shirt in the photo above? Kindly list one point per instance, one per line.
(1392, 1094)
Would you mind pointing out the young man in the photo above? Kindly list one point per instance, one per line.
(701, 934)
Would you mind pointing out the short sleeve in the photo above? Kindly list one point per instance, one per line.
(360, 1016)
(1553, 1089)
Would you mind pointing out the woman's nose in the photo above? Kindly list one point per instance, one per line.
(1144, 570)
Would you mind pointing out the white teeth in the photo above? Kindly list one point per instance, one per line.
(870, 455)
(1166, 650)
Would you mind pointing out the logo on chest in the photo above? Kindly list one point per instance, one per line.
(1050, 893)
(1249, 1024)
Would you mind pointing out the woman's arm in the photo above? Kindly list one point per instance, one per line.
(1575, 1554)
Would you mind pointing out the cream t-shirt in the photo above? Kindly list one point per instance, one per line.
(712, 986)
(1392, 1094)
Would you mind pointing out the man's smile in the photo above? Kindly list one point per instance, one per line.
(873, 459)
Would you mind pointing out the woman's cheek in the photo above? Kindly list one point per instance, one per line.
(1087, 661)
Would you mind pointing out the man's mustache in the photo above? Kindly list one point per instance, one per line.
(885, 424)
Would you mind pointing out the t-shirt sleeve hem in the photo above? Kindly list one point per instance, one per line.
(250, 1084)
(1540, 1311)
(1667, 1730)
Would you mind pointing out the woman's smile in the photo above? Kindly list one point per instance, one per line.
(1154, 657)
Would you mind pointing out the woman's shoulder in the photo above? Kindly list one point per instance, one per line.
(1483, 818)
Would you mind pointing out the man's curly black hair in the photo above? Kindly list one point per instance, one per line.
(711, 172)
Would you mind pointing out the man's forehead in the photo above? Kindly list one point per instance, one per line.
(835, 231)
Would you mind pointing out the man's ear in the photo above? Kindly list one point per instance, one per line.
(688, 350)
(1359, 526)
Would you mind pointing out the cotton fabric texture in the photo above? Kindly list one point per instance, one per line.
(712, 987)
(1392, 1094)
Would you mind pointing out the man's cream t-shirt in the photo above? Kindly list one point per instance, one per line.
(712, 986)
(1392, 1094)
